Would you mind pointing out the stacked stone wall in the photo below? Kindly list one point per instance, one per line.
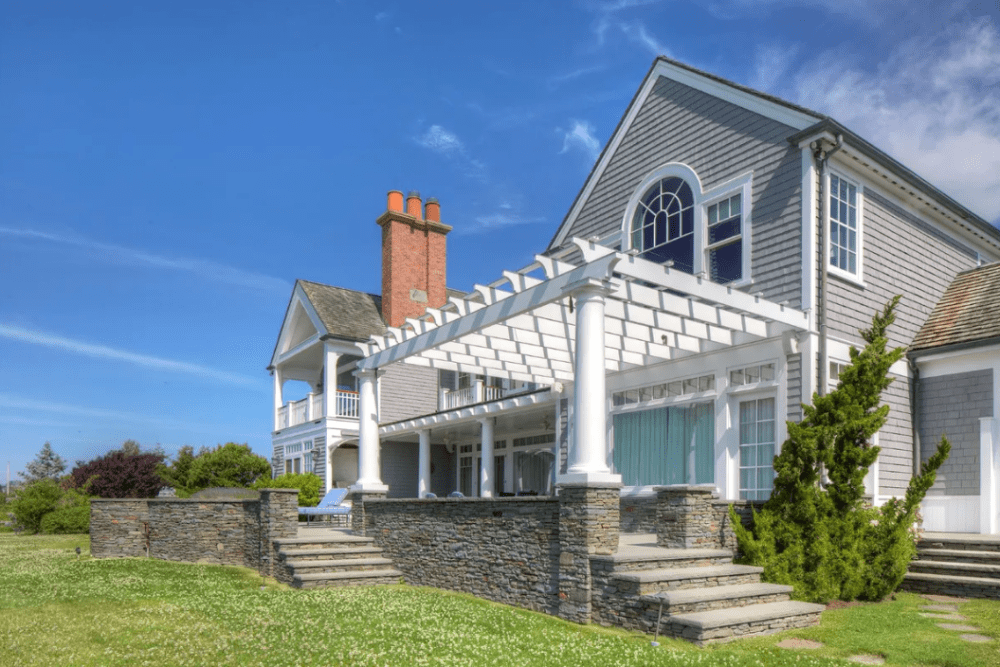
(504, 549)
(638, 514)
(224, 532)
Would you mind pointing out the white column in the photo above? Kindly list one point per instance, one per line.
(424, 468)
(278, 402)
(369, 476)
(329, 381)
(486, 459)
(588, 449)
(989, 476)
(329, 467)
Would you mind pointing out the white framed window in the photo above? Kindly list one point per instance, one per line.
(757, 440)
(671, 219)
(299, 457)
(844, 242)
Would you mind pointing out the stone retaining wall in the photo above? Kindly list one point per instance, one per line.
(503, 549)
(225, 532)
(638, 514)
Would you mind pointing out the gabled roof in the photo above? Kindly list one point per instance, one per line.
(345, 313)
(806, 121)
(967, 312)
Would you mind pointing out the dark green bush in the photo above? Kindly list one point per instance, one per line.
(33, 502)
(71, 516)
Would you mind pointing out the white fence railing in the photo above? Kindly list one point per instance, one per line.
(477, 393)
(310, 408)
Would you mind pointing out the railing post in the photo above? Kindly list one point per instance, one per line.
(477, 397)
(309, 406)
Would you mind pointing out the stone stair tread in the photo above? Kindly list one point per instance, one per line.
(958, 567)
(959, 553)
(342, 562)
(954, 578)
(754, 613)
(677, 573)
(338, 539)
(295, 553)
(360, 574)
(731, 592)
(658, 553)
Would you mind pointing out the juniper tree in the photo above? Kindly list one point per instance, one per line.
(814, 532)
(46, 465)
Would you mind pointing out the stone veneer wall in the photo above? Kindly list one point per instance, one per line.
(638, 514)
(225, 532)
(501, 549)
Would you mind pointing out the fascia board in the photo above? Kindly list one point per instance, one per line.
(298, 297)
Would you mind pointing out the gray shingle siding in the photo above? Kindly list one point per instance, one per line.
(407, 391)
(952, 405)
(896, 439)
(794, 412)
(319, 457)
(719, 141)
(902, 255)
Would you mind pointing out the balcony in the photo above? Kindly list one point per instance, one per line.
(449, 399)
(310, 408)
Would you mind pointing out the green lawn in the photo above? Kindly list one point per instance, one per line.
(58, 610)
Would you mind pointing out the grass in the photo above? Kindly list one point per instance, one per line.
(58, 610)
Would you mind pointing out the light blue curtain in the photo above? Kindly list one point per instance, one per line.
(666, 445)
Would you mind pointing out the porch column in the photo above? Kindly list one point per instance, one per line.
(369, 478)
(587, 460)
(329, 381)
(486, 459)
(989, 476)
(278, 402)
(424, 481)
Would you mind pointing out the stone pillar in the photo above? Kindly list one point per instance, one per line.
(424, 467)
(588, 448)
(359, 523)
(369, 475)
(589, 518)
(486, 459)
(279, 519)
(685, 518)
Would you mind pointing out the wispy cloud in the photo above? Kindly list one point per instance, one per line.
(558, 80)
(382, 16)
(447, 144)
(500, 220)
(107, 252)
(933, 104)
(580, 138)
(637, 32)
(611, 17)
(865, 11)
(771, 63)
(54, 341)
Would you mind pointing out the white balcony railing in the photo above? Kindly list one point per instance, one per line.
(477, 393)
(310, 408)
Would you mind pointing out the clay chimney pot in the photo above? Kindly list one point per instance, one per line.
(413, 206)
(432, 209)
(395, 201)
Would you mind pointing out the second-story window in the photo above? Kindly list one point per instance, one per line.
(844, 225)
(725, 240)
(663, 224)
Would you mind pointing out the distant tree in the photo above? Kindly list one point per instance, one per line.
(130, 448)
(33, 502)
(230, 464)
(47, 465)
(177, 473)
(118, 474)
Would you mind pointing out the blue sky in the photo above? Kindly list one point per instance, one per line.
(168, 170)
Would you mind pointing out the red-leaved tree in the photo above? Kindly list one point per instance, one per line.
(119, 474)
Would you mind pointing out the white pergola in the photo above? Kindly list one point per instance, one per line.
(570, 319)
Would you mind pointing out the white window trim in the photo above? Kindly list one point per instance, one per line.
(858, 278)
(759, 392)
(702, 200)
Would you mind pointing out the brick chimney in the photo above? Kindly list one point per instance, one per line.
(413, 257)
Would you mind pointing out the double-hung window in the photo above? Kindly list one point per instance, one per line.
(845, 226)
(724, 245)
(756, 448)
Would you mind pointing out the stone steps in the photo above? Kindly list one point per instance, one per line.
(960, 556)
(646, 582)
(959, 586)
(340, 565)
(724, 625)
(964, 543)
(667, 558)
(692, 600)
(952, 568)
(336, 579)
(335, 560)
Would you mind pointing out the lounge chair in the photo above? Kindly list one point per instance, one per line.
(329, 506)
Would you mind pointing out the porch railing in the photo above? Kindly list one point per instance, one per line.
(311, 408)
(477, 393)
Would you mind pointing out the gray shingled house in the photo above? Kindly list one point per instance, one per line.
(710, 276)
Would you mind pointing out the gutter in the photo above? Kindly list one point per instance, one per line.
(822, 156)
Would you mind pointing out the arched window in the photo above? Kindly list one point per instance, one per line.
(663, 224)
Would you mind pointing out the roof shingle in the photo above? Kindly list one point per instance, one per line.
(969, 310)
(346, 313)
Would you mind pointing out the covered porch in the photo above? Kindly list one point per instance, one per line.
(581, 325)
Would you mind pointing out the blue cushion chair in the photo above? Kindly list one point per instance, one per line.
(331, 505)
